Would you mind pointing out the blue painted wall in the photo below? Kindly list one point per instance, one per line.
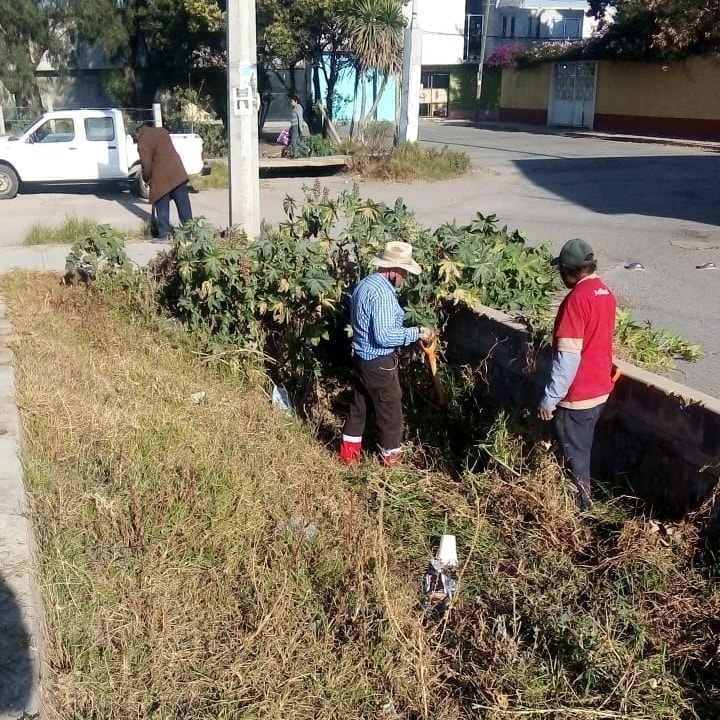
(344, 96)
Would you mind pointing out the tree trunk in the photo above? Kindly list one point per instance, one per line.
(317, 91)
(378, 97)
(331, 78)
(363, 100)
(353, 122)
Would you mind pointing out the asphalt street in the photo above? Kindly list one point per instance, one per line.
(646, 202)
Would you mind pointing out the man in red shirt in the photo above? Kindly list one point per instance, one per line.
(581, 375)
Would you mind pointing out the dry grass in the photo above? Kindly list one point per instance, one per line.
(71, 230)
(175, 587)
(410, 163)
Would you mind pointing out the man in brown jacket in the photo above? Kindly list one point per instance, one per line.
(163, 171)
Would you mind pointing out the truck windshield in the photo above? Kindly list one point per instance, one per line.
(24, 129)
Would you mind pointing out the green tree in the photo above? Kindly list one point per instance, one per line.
(664, 26)
(307, 32)
(24, 36)
(375, 38)
(158, 42)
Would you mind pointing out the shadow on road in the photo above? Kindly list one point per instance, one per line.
(678, 187)
(111, 192)
(16, 667)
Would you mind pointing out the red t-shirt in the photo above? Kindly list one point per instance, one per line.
(585, 324)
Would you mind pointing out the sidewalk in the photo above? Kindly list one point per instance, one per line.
(21, 613)
(51, 258)
(713, 145)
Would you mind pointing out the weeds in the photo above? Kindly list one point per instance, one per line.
(175, 586)
(411, 162)
(651, 347)
(70, 231)
(216, 180)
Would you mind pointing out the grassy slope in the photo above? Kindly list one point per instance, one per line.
(172, 589)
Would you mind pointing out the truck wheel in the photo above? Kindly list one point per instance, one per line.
(8, 182)
(140, 187)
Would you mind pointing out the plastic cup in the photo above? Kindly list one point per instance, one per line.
(447, 551)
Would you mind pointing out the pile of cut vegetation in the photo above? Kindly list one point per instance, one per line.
(202, 555)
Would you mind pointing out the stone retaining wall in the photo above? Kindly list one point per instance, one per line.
(658, 437)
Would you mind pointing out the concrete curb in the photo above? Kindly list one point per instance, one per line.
(580, 133)
(21, 612)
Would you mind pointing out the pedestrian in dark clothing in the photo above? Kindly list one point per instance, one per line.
(164, 172)
(378, 333)
(581, 374)
(297, 122)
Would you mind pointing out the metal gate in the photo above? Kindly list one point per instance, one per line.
(572, 94)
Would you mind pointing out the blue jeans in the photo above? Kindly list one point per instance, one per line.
(575, 430)
(181, 198)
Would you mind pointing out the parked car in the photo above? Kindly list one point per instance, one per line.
(83, 146)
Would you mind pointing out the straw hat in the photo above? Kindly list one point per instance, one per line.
(397, 255)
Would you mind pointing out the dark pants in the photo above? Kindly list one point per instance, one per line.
(575, 430)
(181, 198)
(294, 140)
(377, 386)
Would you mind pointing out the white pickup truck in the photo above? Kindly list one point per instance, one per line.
(82, 146)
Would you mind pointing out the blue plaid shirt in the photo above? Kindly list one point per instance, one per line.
(377, 319)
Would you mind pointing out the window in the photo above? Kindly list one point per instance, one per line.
(55, 130)
(567, 28)
(473, 36)
(504, 26)
(512, 26)
(100, 129)
(571, 28)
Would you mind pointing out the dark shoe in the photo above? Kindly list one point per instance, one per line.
(583, 496)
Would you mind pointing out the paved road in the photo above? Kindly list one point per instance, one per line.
(644, 202)
(651, 203)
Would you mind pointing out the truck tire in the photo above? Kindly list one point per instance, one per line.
(140, 187)
(8, 182)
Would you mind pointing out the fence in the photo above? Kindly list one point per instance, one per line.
(14, 118)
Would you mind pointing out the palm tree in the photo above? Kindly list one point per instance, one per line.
(375, 37)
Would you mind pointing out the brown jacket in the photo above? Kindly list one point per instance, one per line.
(162, 168)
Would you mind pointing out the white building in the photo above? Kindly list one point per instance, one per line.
(453, 35)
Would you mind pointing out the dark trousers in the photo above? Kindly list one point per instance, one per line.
(294, 140)
(575, 430)
(377, 387)
(181, 198)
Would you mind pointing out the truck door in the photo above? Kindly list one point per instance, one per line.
(54, 152)
(102, 149)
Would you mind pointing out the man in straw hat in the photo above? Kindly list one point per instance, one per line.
(378, 333)
(580, 380)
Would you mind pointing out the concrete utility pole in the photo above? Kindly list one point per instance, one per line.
(411, 75)
(481, 61)
(243, 165)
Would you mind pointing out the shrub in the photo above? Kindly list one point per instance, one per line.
(284, 294)
(411, 162)
(319, 146)
(215, 141)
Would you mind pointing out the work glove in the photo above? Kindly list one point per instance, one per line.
(426, 334)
